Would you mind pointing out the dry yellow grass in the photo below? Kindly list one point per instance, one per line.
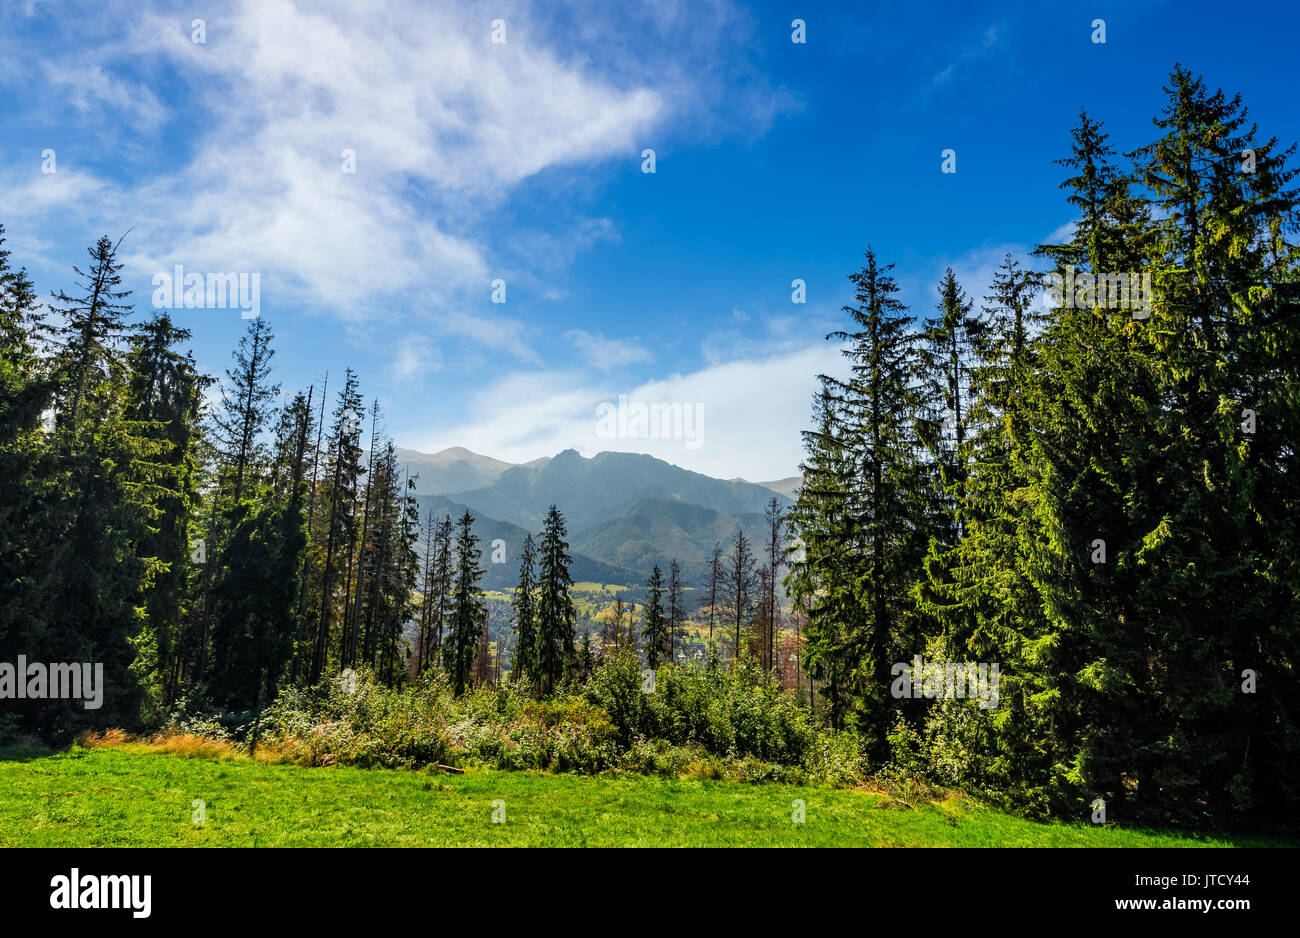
(104, 739)
(185, 745)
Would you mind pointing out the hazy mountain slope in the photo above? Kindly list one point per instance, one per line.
(655, 531)
(607, 485)
(451, 470)
(506, 574)
(786, 487)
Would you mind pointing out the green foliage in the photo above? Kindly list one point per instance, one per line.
(709, 722)
(256, 603)
(467, 606)
(524, 601)
(728, 713)
(862, 513)
(555, 609)
(655, 628)
(1118, 523)
(361, 722)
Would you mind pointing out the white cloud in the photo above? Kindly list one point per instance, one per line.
(89, 88)
(1063, 233)
(607, 354)
(443, 124)
(415, 358)
(497, 333)
(752, 413)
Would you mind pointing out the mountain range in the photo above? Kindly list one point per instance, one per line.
(625, 512)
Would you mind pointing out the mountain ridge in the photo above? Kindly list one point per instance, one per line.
(610, 483)
(437, 470)
(624, 512)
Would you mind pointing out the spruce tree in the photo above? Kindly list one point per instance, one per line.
(88, 338)
(1224, 334)
(164, 399)
(946, 357)
(524, 601)
(24, 393)
(774, 517)
(825, 565)
(247, 398)
(91, 574)
(342, 470)
(556, 613)
(676, 611)
(655, 630)
(256, 604)
(468, 608)
(713, 580)
(740, 589)
(366, 555)
(439, 588)
(878, 406)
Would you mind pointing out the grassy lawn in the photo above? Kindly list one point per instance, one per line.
(129, 797)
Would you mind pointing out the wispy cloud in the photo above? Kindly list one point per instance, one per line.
(497, 333)
(607, 354)
(975, 51)
(438, 122)
(415, 359)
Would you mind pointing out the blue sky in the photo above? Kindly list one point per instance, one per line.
(522, 161)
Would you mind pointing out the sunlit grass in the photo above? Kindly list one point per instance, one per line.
(123, 793)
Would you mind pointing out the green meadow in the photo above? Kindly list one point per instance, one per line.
(129, 796)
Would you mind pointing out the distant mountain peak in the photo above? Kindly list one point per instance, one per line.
(609, 483)
(625, 511)
(452, 469)
(786, 487)
(459, 471)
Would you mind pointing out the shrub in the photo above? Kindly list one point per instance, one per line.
(726, 712)
(361, 723)
(707, 722)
